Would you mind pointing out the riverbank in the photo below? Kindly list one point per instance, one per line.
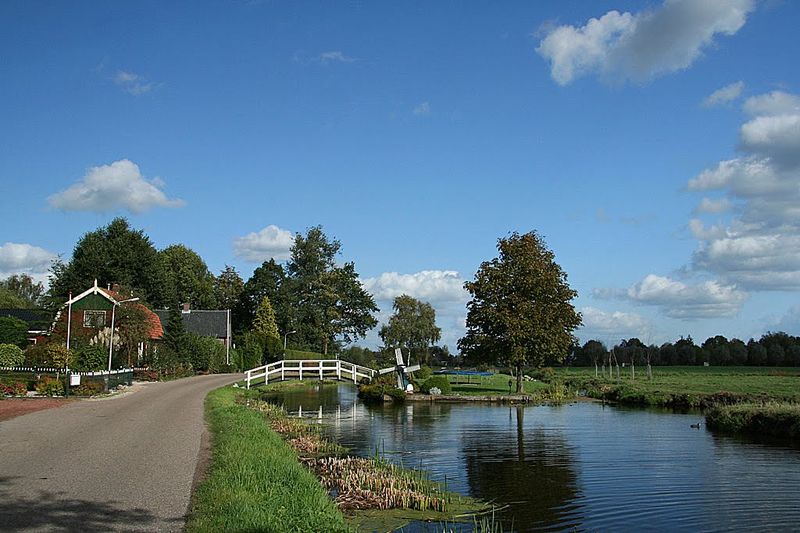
(772, 419)
(255, 482)
(271, 472)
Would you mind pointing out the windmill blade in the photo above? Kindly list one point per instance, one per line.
(383, 371)
(412, 368)
(398, 355)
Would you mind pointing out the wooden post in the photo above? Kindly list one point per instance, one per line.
(283, 370)
(248, 379)
(321, 362)
(338, 370)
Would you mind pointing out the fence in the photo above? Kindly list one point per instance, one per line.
(110, 380)
(310, 369)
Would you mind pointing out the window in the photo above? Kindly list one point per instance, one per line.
(94, 319)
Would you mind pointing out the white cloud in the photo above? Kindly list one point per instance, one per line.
(624, 46)
(110, 187)
(707, 205)
(422, 109)
(774, 103)
(434, 286)
(17, 258)
(271, 242)
(725, 95)
(133, 83)
(680, 300)
(759, 249)
(599, 323)
(334, 57)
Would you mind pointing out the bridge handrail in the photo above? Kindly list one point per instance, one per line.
(319, 366)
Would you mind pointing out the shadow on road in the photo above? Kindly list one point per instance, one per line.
(56, 511)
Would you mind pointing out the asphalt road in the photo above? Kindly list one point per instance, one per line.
(124, 463)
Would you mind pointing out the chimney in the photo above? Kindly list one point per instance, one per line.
(186, 308)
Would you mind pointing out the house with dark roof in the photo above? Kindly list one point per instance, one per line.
(37, 320)
(214, 323)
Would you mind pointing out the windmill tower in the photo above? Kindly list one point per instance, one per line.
(403, 371)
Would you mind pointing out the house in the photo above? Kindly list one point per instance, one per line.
(37, 320)
(204, 322)
(89, 315)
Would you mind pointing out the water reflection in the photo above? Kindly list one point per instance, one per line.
(584, 467)
(528, 471)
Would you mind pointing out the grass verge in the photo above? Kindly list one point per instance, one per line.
(255, 482)
(774, 419)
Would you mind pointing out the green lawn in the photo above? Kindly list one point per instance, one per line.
(694, 384)
(255, 481)
(496, 384)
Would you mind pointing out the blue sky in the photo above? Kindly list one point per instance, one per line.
(654, 145)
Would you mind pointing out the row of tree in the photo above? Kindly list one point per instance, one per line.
(773, 349)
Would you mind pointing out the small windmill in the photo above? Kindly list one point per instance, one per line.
(403, 371)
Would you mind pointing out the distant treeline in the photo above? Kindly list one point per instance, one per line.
(772, 349)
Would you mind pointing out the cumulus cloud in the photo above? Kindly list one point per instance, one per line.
(676, 299)
(725, 95)
(599, 323)
(271, 242)
(707, 205)
(434, 286)
(422, 109)
(119, 185)
(639, 46)
(334, 57)
(759, 249)
(17, 258)
(133, 83)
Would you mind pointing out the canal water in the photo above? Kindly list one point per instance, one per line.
(576, 467)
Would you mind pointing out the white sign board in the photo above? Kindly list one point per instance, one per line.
(74, 380)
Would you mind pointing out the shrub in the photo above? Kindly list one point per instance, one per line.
(375, 392)
(11, 355)
(90, 358)
(423, 373)
(13, 331)
(89, 388)
(439, 382)
(146, 375)
(48, 386)
(15, 389)
(546, 374)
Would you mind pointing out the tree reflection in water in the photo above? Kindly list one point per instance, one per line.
(530, 472)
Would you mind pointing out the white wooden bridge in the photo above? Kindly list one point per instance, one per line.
(308, 369)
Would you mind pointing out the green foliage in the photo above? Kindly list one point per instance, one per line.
(206, 354)
(24, 291)
(57, 355)
(186, 278)
(115, 253)
(300, 354)
(228, 288)
(90, 358)
(48, 386)
(13, 331)
(360, 356)
(268, 280)
(328, 301)
(774, 419)
(9, 300)
(133, 328)
(175, 334)
(375, 392)
(11, 355)
(412, 326)
(89, 387)
(423, 373)
(264, 323)
(521, 311)
(546, 374)
(439, 382)
(255, 482)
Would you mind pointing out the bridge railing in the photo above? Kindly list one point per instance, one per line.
(309, 369)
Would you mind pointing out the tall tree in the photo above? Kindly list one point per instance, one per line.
(328, 301)
(228, 287)
(267, 280)
(412, 326)
(25, 288)
(264, 323)
(186, 278)
(9, 300)
(115, 253)
(521, 310)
